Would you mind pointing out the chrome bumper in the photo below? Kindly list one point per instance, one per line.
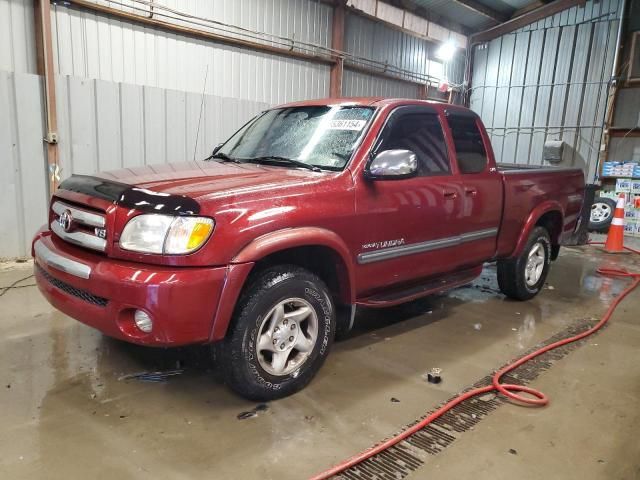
(55, 260)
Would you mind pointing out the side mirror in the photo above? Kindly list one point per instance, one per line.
(216, 148)
(392, 165)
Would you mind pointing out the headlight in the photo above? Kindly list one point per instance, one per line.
(164, 234)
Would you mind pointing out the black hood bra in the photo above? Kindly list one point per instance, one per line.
(131, 196)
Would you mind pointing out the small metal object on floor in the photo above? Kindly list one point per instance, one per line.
(434, 376)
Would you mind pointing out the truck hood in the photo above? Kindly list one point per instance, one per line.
(202, 180)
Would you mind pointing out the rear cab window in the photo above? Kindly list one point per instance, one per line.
(471, 154)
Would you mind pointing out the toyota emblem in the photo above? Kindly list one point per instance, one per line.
(65, 220)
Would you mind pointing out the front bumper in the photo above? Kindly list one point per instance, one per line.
(104, 293)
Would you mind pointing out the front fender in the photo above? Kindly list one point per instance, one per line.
(265, 245)
(294, 237)
(532, 219)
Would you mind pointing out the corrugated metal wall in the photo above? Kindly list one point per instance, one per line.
(356, 84)
(106, 125)
(23, 194)
(92, 45)
(305, 20)
(548, 81)
(17, 37)
(393, 47)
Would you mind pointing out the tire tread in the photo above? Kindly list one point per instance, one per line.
(511, 270)
(230, 351)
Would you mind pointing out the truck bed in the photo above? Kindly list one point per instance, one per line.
(530, 189)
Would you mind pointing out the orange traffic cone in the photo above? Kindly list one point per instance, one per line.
(615, 238)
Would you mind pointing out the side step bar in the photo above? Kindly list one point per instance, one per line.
(414, 291)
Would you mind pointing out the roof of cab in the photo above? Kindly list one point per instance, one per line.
(370, 102)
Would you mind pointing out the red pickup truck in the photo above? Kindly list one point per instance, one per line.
(310, 210)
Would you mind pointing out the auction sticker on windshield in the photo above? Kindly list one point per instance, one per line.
(356, 125)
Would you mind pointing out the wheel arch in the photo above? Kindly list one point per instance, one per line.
(548, 215)
(319, 250)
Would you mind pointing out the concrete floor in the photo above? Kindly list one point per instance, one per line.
(66, 412)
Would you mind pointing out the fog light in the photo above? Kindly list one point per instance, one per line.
(143, 321)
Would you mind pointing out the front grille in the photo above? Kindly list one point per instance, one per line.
(71, 290)
(79, 226)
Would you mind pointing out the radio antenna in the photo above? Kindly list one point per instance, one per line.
(204, 86)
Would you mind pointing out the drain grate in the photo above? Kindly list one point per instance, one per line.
(408, 455)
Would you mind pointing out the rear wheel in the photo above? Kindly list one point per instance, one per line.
(281, 334)
(522, 277)
(601, 214)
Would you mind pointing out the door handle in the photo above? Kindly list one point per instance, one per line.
(450, 193)
(472, 192)
(523, 187)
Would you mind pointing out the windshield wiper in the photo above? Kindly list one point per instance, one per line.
(267, 159)
(222, 156)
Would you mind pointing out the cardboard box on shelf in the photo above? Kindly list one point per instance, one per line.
(630, 228)
(608, 194)
(630, 215)
(621, 169)
(609, 167)
(623, 185)
(635, 186)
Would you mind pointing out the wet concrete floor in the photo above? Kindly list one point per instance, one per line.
(66, 411)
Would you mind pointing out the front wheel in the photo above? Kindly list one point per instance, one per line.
(281, 334)
(522, 277)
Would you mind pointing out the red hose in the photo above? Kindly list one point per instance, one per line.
(507, 389)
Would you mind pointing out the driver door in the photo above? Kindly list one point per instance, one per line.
(406, 224)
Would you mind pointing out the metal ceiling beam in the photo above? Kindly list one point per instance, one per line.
(524, 20)
(413, 8)
(483, 10)
(529, 7)
(198, 33)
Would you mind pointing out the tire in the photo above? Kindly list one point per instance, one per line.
(516, 277)
(601, 214)
(251, 355)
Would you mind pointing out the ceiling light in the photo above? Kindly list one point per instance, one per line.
(446, 51)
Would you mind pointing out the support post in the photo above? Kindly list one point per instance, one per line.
(337, 44)
(44, 55)
(423, 91)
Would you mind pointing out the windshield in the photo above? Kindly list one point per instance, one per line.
(321, 136)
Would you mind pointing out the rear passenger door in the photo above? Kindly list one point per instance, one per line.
(482, 189)
(406, 226)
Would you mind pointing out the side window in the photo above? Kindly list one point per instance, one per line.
(470, 151)
(421, 133)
